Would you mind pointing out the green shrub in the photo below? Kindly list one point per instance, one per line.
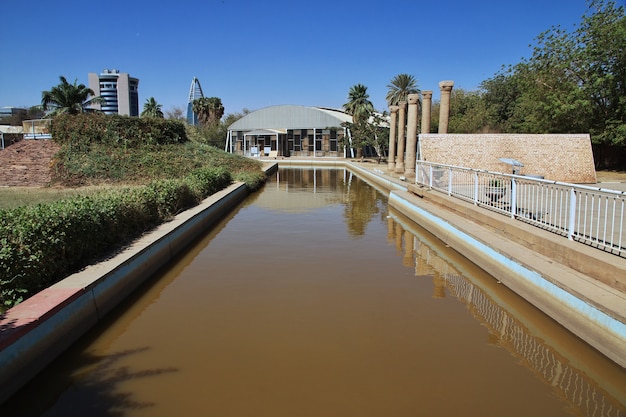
(42, 244)
(80, 131)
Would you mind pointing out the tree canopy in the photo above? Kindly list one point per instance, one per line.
(575, 81)
(400, 87)
(359, 105)
(68, 98)
(209, 110)
(152, 109)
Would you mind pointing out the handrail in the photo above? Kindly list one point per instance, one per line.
(591, 215)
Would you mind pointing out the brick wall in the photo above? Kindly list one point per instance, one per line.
(558, 157)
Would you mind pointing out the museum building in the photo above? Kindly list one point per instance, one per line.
(289, 130)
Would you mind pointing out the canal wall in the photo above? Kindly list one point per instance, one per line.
(38, 330)
(580, 287)
(35, 332)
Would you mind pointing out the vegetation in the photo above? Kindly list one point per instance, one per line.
(214, 135)
(574, 82)
(361, 109)
(68, 98)
(42, 244)
(400, 87)
(151, 170)
(209, 110)
(152, 109)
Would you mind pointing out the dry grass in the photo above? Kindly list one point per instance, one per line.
(11, 197)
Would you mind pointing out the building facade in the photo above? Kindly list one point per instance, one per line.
(120, 90)
(195, 92)
(290, 131)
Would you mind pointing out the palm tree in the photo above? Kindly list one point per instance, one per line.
(209, 110)
(400, 87)
(69, 98)
(152, 109)
(359, 106)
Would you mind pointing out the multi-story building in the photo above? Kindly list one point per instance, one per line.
(120, 91)
(195, 92)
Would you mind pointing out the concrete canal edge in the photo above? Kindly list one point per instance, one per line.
(35, 332)
(38, 330)
(580, 287)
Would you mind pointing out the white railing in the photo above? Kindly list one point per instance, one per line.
(594, 216)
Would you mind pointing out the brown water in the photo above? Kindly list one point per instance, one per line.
(314, 299)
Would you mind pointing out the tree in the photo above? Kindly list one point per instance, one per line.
(209, 110)
(573, 82)
(176, 113)
(68, 98)
(400, 87)
(360, 108)
(152, 109)
(468, 113)
(215, 135)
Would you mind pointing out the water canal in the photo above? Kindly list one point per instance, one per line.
(313, 298)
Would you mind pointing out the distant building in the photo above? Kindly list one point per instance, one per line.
(7, 114)
(195, 91)
(120, 90)
(290, 130)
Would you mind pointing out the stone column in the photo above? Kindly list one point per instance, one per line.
(391, 158)
(444, 109)
(427, 100)
(401, 127)
(411, 135)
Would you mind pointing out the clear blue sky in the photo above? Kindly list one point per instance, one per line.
(254, 53)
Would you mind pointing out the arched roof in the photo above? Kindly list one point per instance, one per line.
(291, 117)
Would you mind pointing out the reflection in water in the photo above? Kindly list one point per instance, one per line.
(313, 298)
(555, 369)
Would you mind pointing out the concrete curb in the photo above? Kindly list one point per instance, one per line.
(36, 331)
(554, 289)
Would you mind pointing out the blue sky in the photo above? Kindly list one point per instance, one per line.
(254, 54)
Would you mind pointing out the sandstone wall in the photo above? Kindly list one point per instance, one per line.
(558, 157)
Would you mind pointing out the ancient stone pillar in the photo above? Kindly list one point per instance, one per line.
(411, 135)
(444, 109)
(427, 100)
(401, 127)
(391, 159)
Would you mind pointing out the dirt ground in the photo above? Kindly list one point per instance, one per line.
(611, 176)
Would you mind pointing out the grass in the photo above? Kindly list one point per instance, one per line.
(12, 197)
(105, 167)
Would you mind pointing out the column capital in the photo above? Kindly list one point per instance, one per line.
(446, 85)
(427, 94)
(402, 104)
(413, 98)
(393, 109)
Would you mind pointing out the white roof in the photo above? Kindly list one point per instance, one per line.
(286, 117)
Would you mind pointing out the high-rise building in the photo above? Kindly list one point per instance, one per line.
(195, 91)
(120, 91)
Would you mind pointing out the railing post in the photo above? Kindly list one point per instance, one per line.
(476, 188)
(571, 224)
(513, 198)
(430, 176)
(450, 181)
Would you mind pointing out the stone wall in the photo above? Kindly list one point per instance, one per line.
(558, 157)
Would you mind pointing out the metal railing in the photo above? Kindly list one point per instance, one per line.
(594, 216)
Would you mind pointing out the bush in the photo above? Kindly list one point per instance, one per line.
(42, 244)
(80, 131)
